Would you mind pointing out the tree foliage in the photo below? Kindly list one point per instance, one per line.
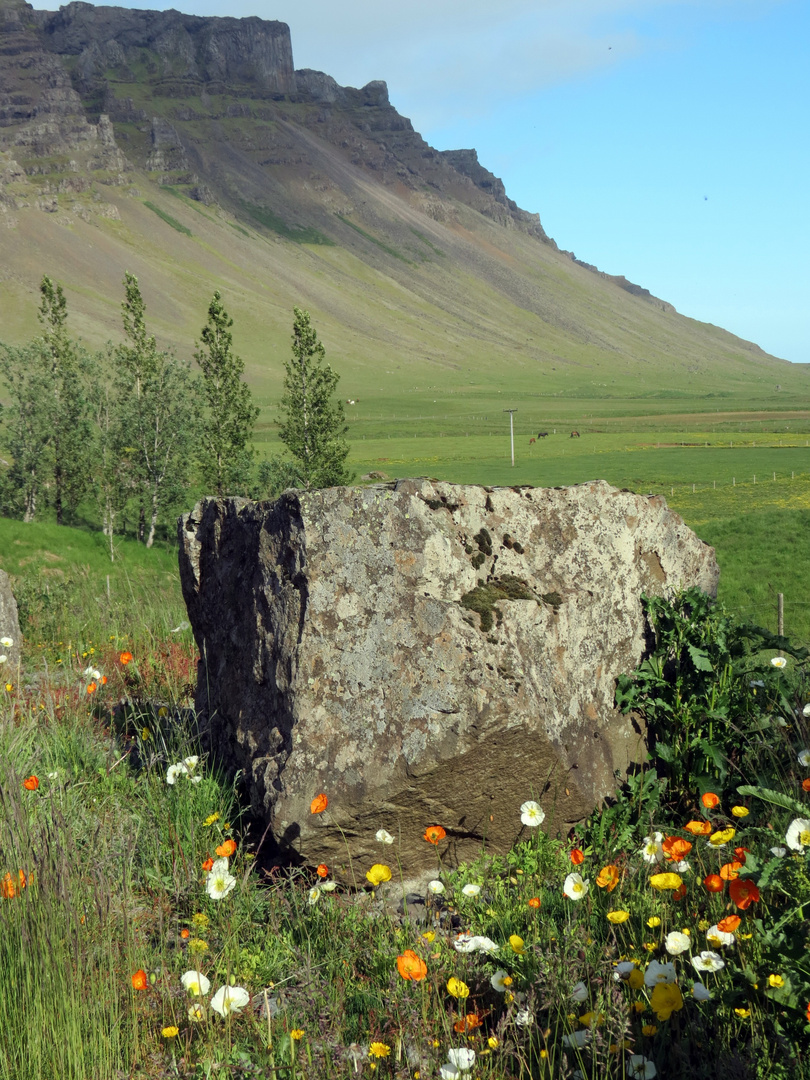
(314, 425)
(225, 429)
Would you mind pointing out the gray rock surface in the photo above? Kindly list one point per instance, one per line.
(353, 642)
(9, 628)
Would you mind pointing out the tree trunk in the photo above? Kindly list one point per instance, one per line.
(141, 523)
(153, 523)
(30, 504)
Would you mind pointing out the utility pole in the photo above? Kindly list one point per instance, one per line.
(512, 432)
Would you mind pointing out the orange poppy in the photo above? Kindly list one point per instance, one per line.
(698, 828)
(31, 784)
(434, 833)
(676, 848)
(411, 967)
(729, 924)
(608, 878)
(184, 934)
(125, 658)
(730, 870)
(577, 857)
(8, 890)
(739, 854)
(710, 800)
(323, 870)
(743, 893)
(318, 804)
(806, 784)
(226, 849)
(140, 980)
(208, 864)
(808, 1014)
(534, 902)
(91, 688)
(714, 883)
(103, 680)
(467, 1023)
(680, 892)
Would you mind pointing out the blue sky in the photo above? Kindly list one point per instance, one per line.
(666, 140)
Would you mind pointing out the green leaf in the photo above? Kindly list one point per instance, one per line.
(776, 798)
(700, 658)
(664, 751)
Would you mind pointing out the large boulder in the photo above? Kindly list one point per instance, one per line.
(9, 631)
(425, 653)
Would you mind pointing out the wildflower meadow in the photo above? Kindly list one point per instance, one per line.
(145, 932)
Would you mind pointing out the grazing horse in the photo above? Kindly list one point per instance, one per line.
(542, 434)
(574, 434)
(531, 441)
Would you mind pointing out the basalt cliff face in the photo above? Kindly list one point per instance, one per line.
(191, 152)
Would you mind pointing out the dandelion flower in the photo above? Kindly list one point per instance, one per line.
(170, 1032)
(778, 662)
(379, 1050)
(318, 804)
(708, 961)
(797, 837)
(194, 982)
(378, 873)
(211, 819)
(219, 882)
(434, 833)
(471, 889)
(574, 887)
(230, 999)
(383, 837)
(532, 814)
(411, 967)
(436, 887)
(676, 943)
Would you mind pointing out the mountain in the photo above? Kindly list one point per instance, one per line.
(191, 152)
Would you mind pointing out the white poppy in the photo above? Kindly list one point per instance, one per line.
(676, 943)
(532, 814)
(778, 852)
(196, 779)
(501, 981)
(471, 890)
(574, 887)
(779, 661)
(699, 992)
(449, 1072)
(230, 999)
(680, 867)
(191, 762)
(219, 882)
(719, 938)
(804, 755)
(580, 992)
(797, 837)
(622, 971)
(651, 848)
(659, 973)
(314, 895)
(436, 887)
(640, 1068)
(3, 659)
(708, 961)
(469, 943)
(174, 771)
(806, 709)
(195, 983)
(196, 1013)
(328, 886)
(383, 837)
(6, 642)
(91, 673)
(462, 1057)
(577, 1038)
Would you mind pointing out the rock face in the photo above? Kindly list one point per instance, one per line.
(9, 629)
(425, 653)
